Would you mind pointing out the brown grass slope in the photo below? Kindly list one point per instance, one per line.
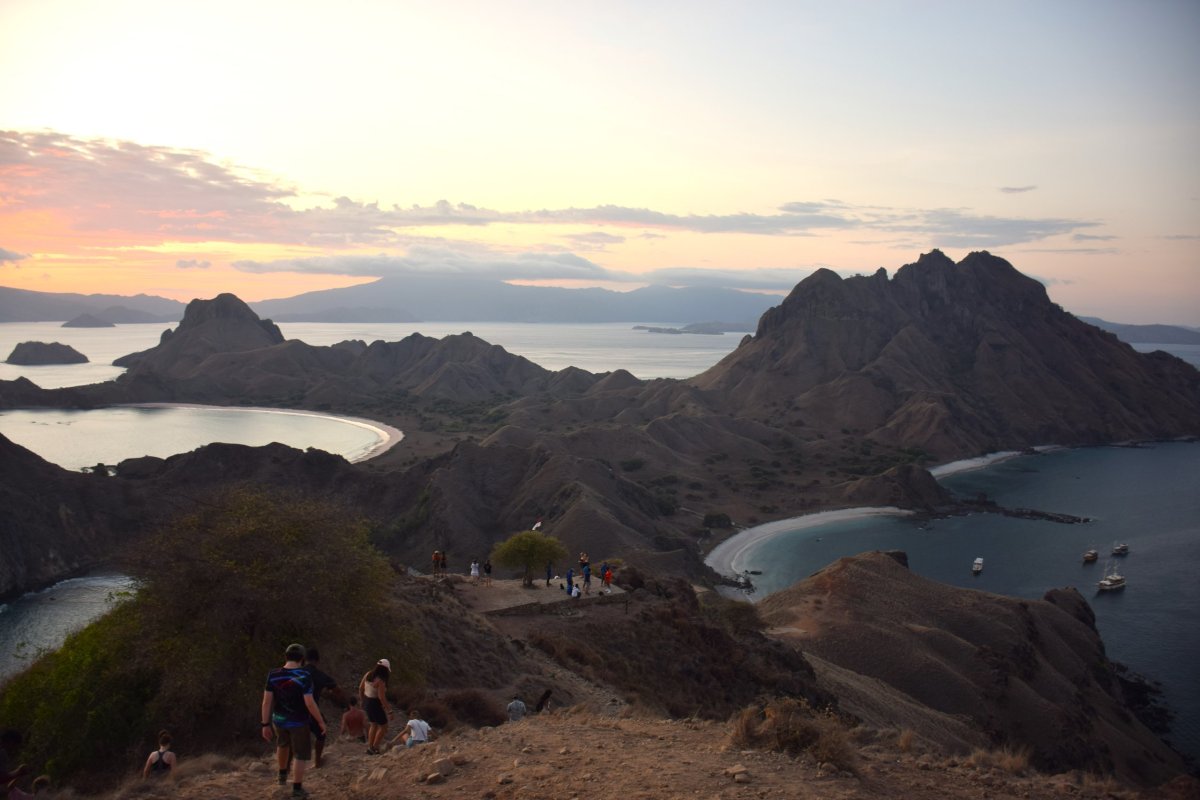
(1023, 673)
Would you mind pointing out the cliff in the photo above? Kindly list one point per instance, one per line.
(966, 668)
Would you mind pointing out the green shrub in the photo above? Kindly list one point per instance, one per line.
(223, 591)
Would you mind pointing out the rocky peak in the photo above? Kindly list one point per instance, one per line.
(224, 309)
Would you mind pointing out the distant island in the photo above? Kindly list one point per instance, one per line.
(88, 321)
(704, 328)
(40, 353)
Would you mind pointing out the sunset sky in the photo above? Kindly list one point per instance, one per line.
(267, 148)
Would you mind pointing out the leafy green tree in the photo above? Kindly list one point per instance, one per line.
(527, 550)
(222, 591)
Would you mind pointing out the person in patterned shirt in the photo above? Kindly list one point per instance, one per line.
(286, 705)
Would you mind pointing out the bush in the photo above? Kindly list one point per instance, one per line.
(792, 726)
(222, 593)
(528, 550)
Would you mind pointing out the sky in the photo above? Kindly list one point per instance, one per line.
(268, 148)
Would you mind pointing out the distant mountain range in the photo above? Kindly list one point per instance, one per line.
(442, 299)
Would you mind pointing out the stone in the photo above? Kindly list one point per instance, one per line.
(444, 766)
(435, 777)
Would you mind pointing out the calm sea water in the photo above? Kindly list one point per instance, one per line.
(75, 439)
(600, 347)
(1148, 497)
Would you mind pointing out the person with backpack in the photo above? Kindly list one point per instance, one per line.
(161, 762)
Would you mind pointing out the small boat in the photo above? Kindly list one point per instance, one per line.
(977, 566)
(1111, 581)
(1120, 549)
(1089, 556)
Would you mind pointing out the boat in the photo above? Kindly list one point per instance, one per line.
(977, 566)
(1111, 581)
(1090, 555)
(1120, 549)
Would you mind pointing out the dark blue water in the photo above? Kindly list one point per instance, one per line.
(1148, 497)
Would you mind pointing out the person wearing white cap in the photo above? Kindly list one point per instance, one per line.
(373, 691)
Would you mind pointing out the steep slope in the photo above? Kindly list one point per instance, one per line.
(956, 359)
(1021, 673)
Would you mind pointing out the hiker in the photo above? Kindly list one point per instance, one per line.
(608, 576)
(571, 582)
(587, 578)
(516, 709)
(354, 722)
(373, 689)
(442, 567)
(487, 572)
(161, 763)
(549, 572)
(583, 561)
(437, 562)
(287, 703)
(543, 703)
(320, 682)
(416, 732)
(475, 571)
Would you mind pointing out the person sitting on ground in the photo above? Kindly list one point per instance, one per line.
(516, 709)
(354, 722)
(416, 732)
(160, 763)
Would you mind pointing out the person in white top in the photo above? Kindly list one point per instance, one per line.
(475, 571)
(417, 731)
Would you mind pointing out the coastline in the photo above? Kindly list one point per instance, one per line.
(727, 557)
(389, 437)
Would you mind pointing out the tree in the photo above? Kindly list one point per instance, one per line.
(527, 550)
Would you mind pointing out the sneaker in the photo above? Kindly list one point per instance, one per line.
(283, 779)
(301, 792)
(371, 751)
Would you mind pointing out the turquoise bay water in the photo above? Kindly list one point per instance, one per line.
(1148, 497)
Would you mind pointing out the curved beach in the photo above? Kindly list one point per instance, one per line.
(389, 437)
(727, 558)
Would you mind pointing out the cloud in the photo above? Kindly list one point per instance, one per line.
(10, 257)
(1182, 237)
(1092, 237)
(595, 240)
(191, 263)
(154, 195)
(1017, 189)
(477, 262)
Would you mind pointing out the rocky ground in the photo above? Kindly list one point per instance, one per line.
(576, 753)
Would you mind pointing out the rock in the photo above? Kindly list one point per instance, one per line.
(742, 777)
(435, 777)
(504, 779)
(444, 766)
(41, 353)
(735, 770)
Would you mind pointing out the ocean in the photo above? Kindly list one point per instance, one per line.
(1148, 497)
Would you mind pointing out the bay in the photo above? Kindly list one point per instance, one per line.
(75, 439)
(1146, 496)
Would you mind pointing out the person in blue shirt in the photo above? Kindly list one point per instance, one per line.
(287, 705)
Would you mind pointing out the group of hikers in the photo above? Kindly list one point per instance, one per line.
(291, 714)
(585, 575)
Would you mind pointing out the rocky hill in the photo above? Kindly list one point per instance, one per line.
(954, 359)
(966, 668)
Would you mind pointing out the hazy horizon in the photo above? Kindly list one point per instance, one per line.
(281, 148)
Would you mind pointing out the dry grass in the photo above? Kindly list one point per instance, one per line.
(904, 740)
(792, 726)
(1014, 761)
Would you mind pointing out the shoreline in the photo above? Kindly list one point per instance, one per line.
(726, 558)
(389, 437)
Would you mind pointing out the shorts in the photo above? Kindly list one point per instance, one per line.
(375, 713)
(297, 739)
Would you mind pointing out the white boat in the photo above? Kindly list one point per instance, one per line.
(977, 566)
(1111, 581)
(1089, 556)
(1120, 549)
